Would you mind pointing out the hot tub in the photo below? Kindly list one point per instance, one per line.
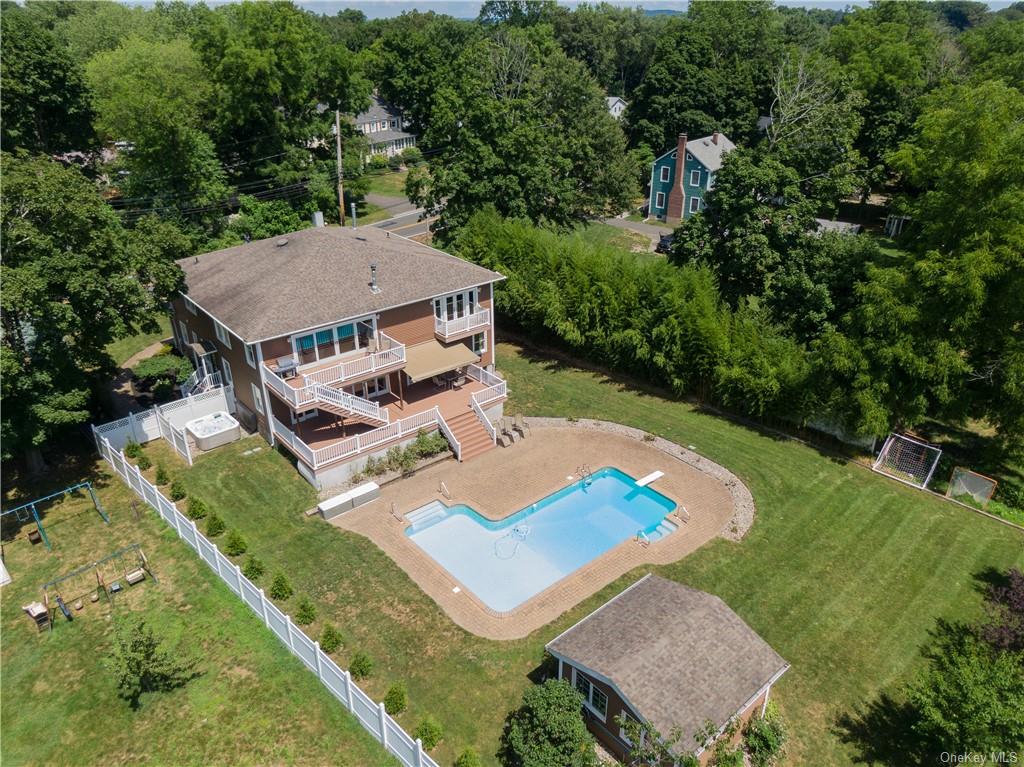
(214, 430)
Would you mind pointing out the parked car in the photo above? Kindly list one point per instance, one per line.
(664, 244)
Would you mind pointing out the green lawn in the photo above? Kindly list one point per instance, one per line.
(388, 183)
(124, 348)
(367, 213)
(844, 572)
(252, 704)
(597, 233)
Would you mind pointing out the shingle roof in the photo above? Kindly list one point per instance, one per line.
(384, 136)
(378, 110)
(679, 656)
(261, 290)
(708, 153)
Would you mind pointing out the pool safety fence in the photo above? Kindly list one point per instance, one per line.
(167, 421)
(371, 715)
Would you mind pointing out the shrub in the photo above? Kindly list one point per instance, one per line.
(428, 444)
(163, 389)
(305, 613)
(468, 758)
(378, 162)
(163, 367)
(280, 588)
(375, 467)
(361, 665)
(197, 509)
(143, 463)
(395, 162)
(140, 664)
(394, 458)
(235, 544)
(547, 728)
(132, 449)
(161, 475)
(177, 490)
(253, 568)
(214, 525)
(429, 732)
(330, 639)
(397, 699)
(412, 155)
(764, 737)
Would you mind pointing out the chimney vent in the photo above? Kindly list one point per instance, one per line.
(282, 242)
(714, 138)
(374, 288)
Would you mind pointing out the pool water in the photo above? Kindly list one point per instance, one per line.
(505, 563)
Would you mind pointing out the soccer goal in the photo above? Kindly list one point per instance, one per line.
(907, 459)
(967, 486)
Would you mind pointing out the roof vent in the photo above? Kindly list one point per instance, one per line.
(282, 242)
(374, 288)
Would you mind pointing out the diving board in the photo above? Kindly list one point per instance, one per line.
(645, 481)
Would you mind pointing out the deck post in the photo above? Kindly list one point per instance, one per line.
(348, 691)
(382, 719)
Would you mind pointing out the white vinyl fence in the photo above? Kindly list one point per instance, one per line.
(167, 421)
(371, 715)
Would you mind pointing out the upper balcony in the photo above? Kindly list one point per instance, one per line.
(460, 327)
(384, 356)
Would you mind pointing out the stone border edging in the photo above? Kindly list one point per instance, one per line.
(743, 502)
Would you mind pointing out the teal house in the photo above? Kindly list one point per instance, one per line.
(682, 176)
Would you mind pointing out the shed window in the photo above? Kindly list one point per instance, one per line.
(593, 698)
(659, 200)
(665, 170)
(694, 204)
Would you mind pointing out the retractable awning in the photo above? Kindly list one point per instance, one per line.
(430, 359)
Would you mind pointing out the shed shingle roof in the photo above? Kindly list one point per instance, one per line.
(679, 656)
(261, 290)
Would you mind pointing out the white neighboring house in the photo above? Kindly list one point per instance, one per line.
(384, 128)
(616, 106)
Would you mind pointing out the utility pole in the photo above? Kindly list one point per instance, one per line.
(341, 170)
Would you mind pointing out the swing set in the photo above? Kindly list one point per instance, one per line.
(30, 511)
(104, 577)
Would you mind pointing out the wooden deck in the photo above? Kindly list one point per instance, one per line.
(326, 428)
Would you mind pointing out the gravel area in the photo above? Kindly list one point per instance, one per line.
(743, 501)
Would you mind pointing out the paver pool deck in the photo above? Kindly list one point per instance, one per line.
(505, 480)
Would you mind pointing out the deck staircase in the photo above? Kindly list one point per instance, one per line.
(471, 434)
(348, 406)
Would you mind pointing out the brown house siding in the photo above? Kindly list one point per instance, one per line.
(410, 325)
(242, 373)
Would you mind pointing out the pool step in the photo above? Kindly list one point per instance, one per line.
(426, 515)
(664, 528)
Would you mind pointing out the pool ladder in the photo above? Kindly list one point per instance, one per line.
(585, 474)
(642, 539)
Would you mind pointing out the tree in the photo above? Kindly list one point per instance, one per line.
(968, 238)
(1004, 604)
(102, 26)
(995, 51)
(815, 122)
(711, 70)
(547, 730)
(73, 282)
(45, 106)
(516, 13)
(524, 128)
(962, 14)
(140, 664)
(971, 694)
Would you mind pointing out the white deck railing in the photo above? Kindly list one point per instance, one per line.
(447, 328)
(367, 441)
(480, 414)
(497, 387)
(389, 353)
(318, 393)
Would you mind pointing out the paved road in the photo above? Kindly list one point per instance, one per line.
(407, 224)
(652, 232)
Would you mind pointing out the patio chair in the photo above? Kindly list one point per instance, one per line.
(459, 381)
(509, 429)
(439, 382)
(503, 439)
(520, 425)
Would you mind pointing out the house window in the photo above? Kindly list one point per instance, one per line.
(375, 387)
(593, 698)
(195, 337)
(665, 171)
(222, 334)
(478, 343)
(189, 304)
(250, 355)
(659, 200)
(257, 398)
(228, 379)
(330, 342)
(694, 204)
(455, 305)
(694, 178)
(623, 733)
(183, 334)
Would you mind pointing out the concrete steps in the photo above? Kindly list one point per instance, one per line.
(471, 434)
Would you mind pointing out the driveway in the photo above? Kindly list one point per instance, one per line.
(653, 232)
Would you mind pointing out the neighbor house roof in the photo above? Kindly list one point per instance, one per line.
(264, 289)
(382, 137)
(678, 656)
(612, 100)
(378, 110)
(708, 153)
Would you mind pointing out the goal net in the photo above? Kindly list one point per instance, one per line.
(907, 459)
(966, 485)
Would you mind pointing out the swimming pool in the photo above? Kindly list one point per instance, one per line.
(505, 563)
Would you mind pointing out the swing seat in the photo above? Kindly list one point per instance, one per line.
(135, 576)
(34, 536)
